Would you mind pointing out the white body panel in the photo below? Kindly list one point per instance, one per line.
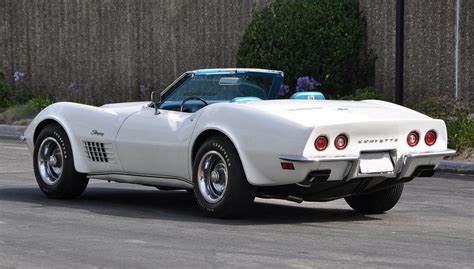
(159, 147)
(142, 143)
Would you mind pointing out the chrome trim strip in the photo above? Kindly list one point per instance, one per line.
(91, 175)
(146, 180)
(298, 158)
(448, 152)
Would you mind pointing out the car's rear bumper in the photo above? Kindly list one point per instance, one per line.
(347, 167)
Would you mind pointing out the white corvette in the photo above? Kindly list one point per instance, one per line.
(220, 134)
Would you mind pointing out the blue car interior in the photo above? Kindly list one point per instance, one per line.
(308, 96)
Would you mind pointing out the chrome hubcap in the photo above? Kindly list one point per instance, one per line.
(50, 161)
(212, 176)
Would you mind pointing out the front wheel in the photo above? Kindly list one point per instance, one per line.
(376, 202)
(220, 186)
(54, 165)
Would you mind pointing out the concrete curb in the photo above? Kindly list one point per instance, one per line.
(456, 167)
(11, 131)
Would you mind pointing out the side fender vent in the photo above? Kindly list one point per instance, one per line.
(99, 152)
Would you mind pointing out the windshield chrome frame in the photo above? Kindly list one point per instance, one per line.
(176, 81)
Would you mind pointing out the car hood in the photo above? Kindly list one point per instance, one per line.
(125, 109)
(317, 112)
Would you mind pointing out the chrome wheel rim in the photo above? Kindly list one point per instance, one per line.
(212, 176)
(50, 161)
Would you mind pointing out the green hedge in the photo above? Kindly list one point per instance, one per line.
(323, 39)
(459, 124)
(22, 113)
(365, 94)
(5, 93)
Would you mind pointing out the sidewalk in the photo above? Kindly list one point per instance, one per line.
(11, 131)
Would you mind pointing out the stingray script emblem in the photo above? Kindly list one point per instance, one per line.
(95, 132)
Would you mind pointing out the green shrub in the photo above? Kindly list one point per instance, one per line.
(5, 93)
(322, 39)
(21, 114)
(461, 131)
(439, 107)
(365, 94)
(459, 124)
(17, 112)
(39, 103)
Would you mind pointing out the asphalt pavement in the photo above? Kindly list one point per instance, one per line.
(115, 225)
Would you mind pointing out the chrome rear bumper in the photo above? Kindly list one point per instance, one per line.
(404, 166)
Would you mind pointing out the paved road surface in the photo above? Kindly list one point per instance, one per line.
(126, 226)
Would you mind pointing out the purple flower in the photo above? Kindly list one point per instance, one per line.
(284, 89)
(306, 84)
(74, 89)
(18, 75)
(142, 89)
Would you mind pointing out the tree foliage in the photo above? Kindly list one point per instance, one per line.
(323, 39)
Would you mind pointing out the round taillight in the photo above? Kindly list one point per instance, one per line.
(430, 138)
(321, 143)
(413, 138)
(341, 142)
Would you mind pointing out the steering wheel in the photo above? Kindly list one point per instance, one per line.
(192, 98)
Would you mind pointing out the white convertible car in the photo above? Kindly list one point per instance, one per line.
(220, 134)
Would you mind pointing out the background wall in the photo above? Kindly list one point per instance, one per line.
(117, 50)
(104, 51)
(430, 38)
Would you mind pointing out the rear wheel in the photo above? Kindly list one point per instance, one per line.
(220, 186)
(54, 165)
(376, 202)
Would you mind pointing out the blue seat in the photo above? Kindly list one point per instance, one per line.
(308, 96)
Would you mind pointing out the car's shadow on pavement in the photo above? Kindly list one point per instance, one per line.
(176, 205)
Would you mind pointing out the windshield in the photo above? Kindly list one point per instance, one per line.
(196, 89)
(223, 87)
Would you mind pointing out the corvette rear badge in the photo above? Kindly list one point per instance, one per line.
(382, 140)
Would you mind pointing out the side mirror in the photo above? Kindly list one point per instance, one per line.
(156, 99)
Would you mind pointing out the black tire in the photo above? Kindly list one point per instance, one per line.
(238, 195)
(69, 184)
(376, 202)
